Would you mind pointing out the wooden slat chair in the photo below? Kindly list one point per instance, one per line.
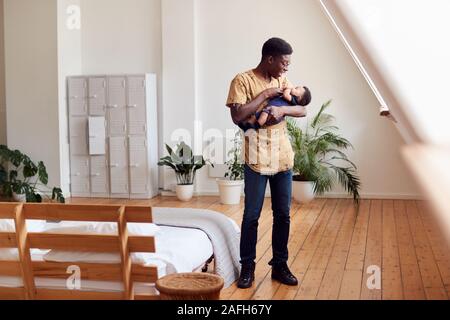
(122, 243)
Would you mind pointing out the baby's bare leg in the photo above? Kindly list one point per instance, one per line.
(263, 118)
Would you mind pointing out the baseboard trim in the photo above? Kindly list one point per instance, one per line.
(374, 196)
(368, 196)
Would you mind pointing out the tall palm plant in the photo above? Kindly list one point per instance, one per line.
(319, 155)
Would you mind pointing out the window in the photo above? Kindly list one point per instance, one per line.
(402, 49)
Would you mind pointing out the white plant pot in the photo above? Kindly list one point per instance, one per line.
(185, 192)
(230, 191)
(19, 197)
(303, 191)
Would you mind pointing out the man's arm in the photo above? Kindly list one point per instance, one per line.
(241, 112)
(277, 113)
(294, 111)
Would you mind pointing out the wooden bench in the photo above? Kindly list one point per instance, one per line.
(122, 243)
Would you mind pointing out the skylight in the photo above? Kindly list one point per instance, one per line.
(402, 48)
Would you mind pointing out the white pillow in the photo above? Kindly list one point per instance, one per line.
(141, 258)
(82, 257)
(7, 254)
(11, 254)
(101, 228)
(7, 225)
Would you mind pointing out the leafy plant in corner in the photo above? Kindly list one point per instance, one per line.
(20, 175)
(235, 164)
(183, 162)
(319, 155)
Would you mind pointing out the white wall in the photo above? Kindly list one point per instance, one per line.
(123, 36)
(179, 74)
(2, 79)
(31, 58)
(69, 63)
(230, 35)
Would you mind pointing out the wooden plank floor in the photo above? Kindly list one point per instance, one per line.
(332, 246)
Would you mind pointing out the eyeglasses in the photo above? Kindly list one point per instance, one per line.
(285, 64)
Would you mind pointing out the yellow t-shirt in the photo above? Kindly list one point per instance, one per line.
(267, 150)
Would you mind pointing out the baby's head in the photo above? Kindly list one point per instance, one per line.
(303, 95)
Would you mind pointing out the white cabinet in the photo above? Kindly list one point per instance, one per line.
(97, 96)
(77, 97)
(80, 176)
(78, 132)
(99, 177)
(118, 162)
(113, 136)
(117, 111)
(136, 106)
(138, 166)
(97, 135)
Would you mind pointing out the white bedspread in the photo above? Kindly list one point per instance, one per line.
(221, 230)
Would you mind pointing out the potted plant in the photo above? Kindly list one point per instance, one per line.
(230, 187)
(23, 180)
(185, 165)
(320, 160)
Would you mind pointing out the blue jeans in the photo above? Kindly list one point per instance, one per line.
(255, 188)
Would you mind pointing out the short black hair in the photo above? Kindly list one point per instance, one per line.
(306, 99)
(276, 47)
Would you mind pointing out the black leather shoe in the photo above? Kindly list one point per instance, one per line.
(247, 277)
(282, 274)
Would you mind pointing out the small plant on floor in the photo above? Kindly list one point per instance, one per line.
(319, 155)
(184, 163)
(21, 176)
(230, 187)
(235, 164)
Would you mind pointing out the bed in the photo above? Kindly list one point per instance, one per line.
(116, 252)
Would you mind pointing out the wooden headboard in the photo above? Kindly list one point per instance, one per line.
(122, 243)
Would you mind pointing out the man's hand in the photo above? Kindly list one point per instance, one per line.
(276, 114)
(272, 93)
(287, 94)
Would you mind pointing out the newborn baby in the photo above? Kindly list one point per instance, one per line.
(298, 96)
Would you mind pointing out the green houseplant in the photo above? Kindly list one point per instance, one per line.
(230, 187)
(320, 160)
(24, 180)
(185, 165)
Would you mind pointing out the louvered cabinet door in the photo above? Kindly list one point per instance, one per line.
(99, 177)
(136, 105)
(78, 136)
(79, 172)
(77, 92)
(138, 167)
(117, 106)
(97, 96)
(118, 165)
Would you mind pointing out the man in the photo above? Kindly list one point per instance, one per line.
(268, 157)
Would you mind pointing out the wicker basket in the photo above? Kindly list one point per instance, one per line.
(190, 286)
